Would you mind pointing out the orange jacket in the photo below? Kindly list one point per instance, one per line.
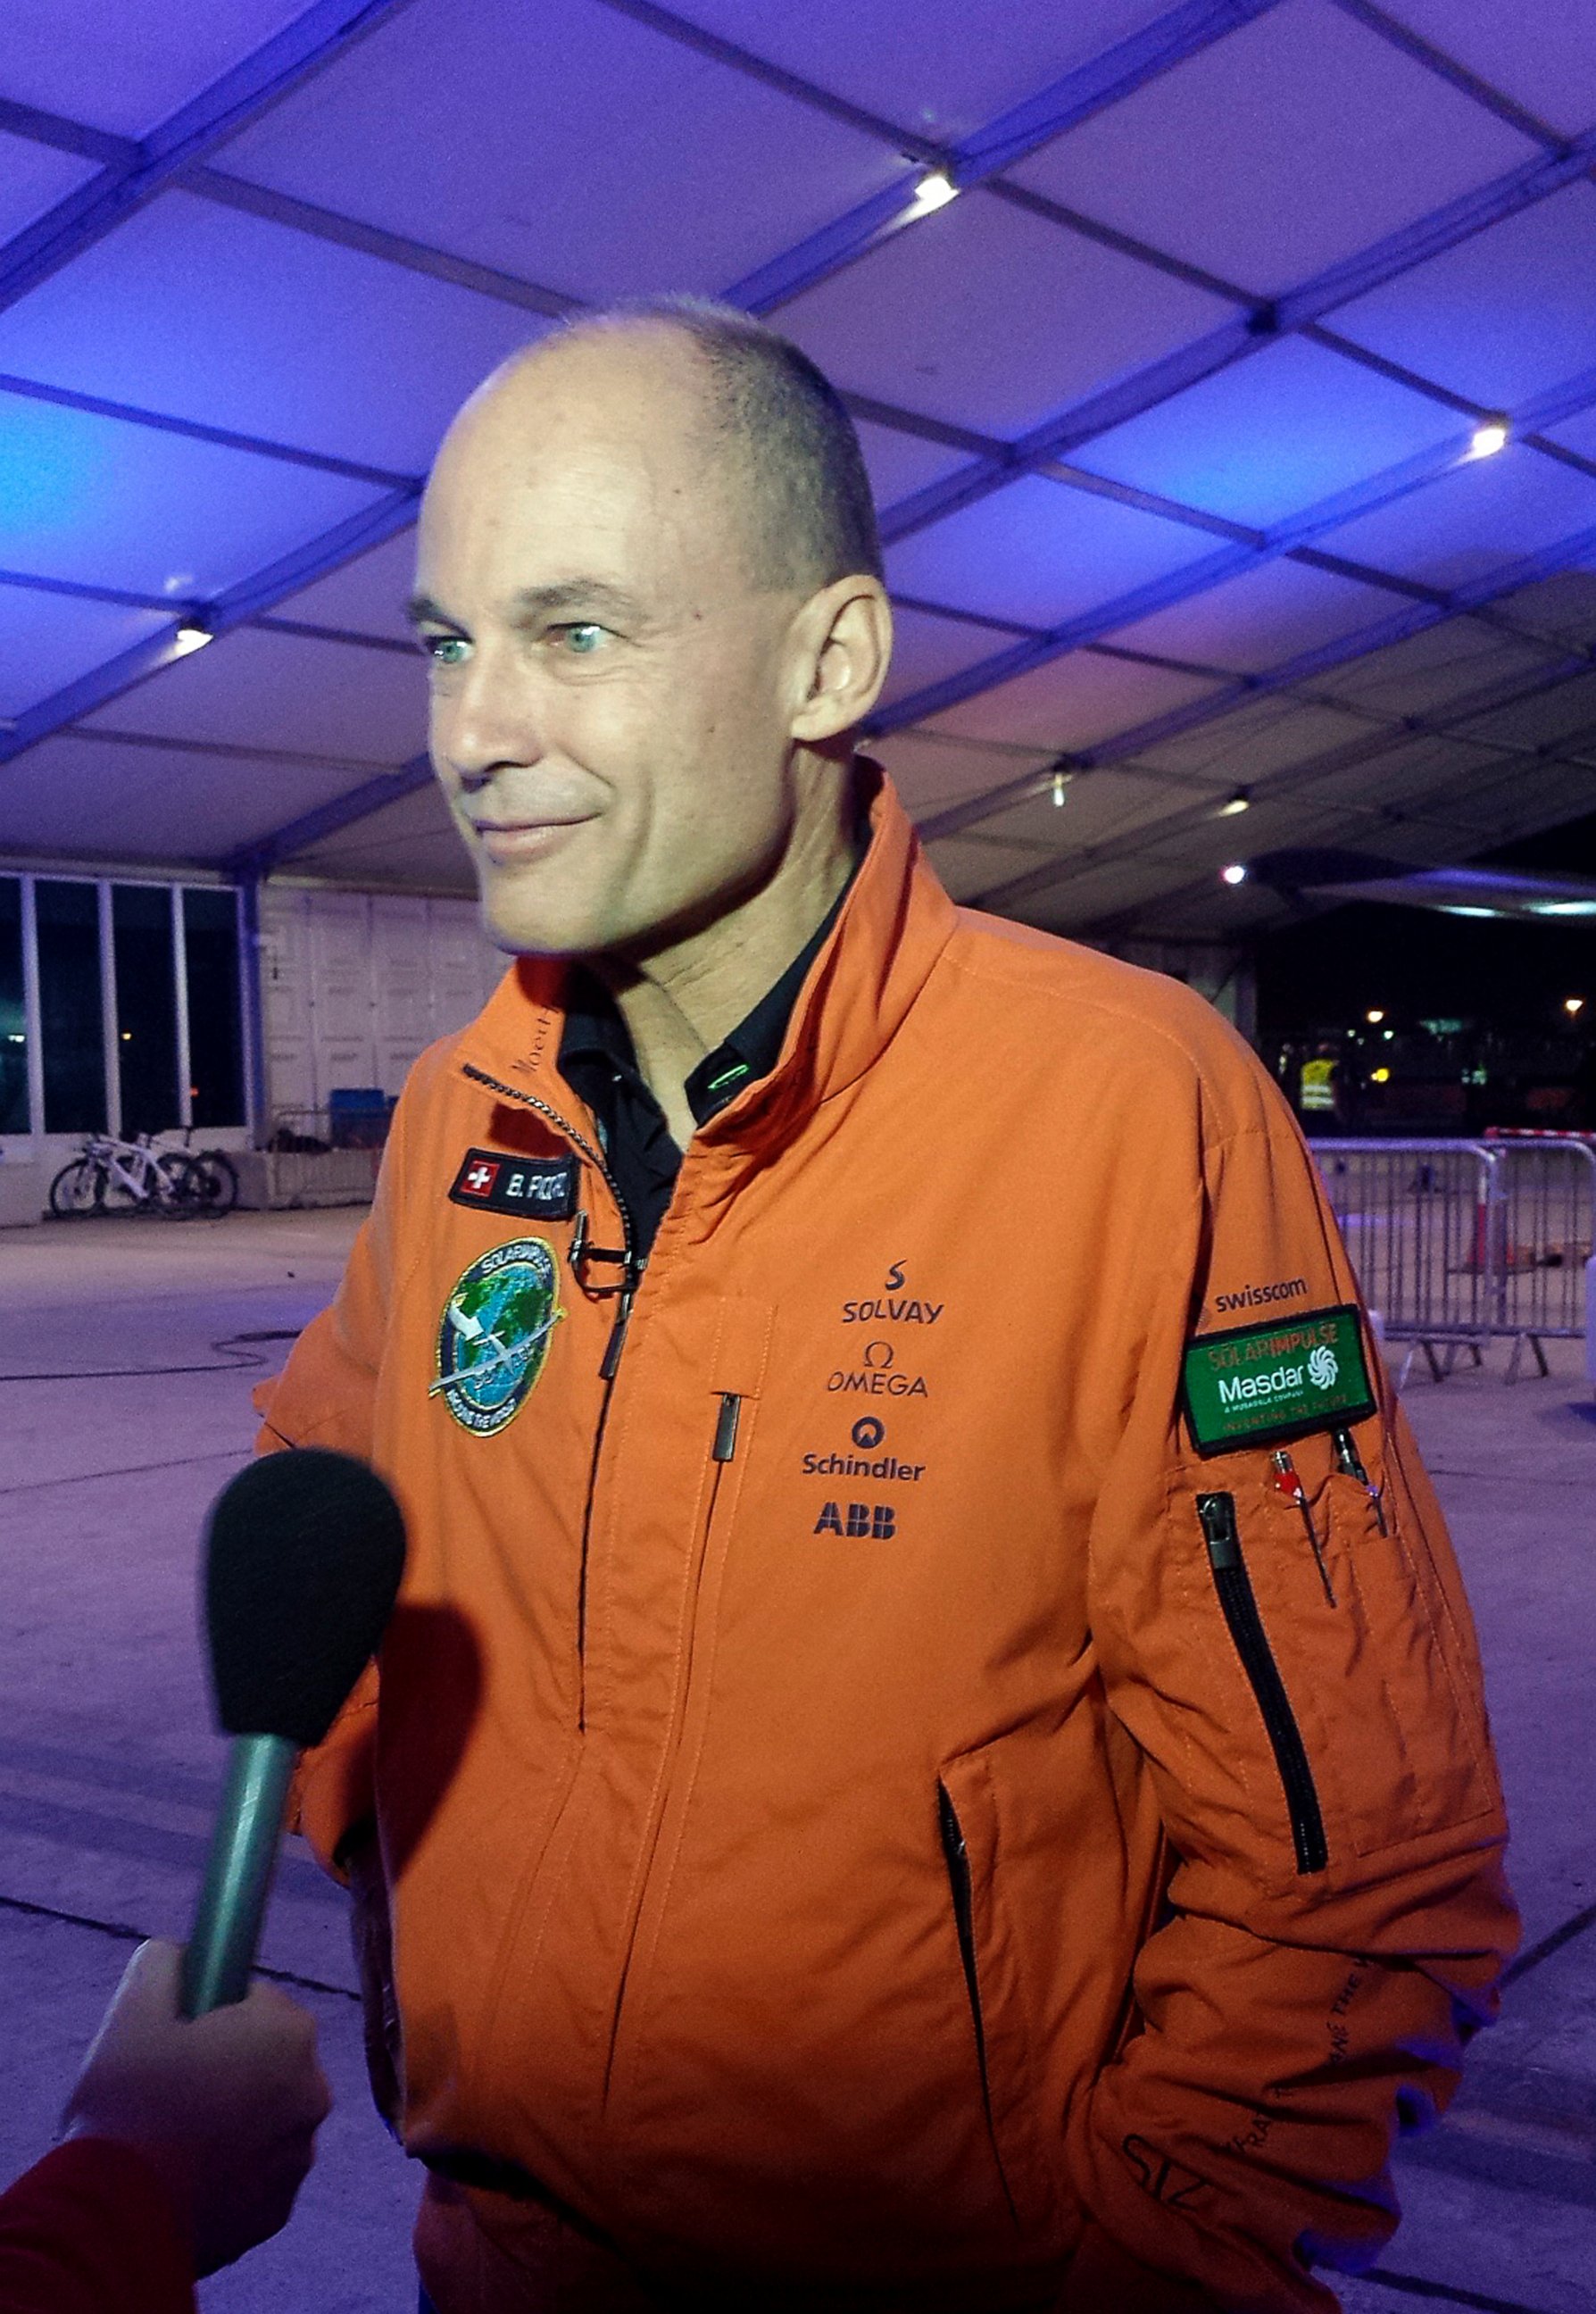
(783, 1767)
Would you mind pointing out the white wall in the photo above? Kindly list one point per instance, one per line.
(355, 985)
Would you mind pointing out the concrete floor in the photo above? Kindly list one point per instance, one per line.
(124, 1405)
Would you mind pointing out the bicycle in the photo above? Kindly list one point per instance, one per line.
(115, 1176)
(213, 1177)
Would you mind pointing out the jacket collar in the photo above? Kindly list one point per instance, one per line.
(893, 923)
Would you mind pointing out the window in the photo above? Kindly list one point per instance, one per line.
(146, 1006)
(70, 1010)
(216, 1030)
(13, 1024)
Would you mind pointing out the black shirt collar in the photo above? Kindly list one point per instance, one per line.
(595, 1031)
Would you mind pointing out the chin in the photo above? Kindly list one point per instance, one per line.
(524, 922)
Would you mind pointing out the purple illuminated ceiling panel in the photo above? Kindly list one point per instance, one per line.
(1074, 701)
(368, 596)
(1275, 152)
(1473, 520)
(128, 65)
(943, 68)
(926, 648)
(988, 317)
(32, 179)
(595, 156)
(1540, 52)
(105, 503)
(1500, 317)
(49, 640)
(1038, 553)
(1266, 438)
(1257, 621)
(201, 313)
(901, 463)
(254, 688)
(78, 796)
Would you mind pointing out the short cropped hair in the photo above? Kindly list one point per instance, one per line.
(780, 418)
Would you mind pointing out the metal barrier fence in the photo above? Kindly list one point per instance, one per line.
(304, 1165)
(1457, 1243)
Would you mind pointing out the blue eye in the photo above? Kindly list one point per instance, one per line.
(583, 637)
(447, 650)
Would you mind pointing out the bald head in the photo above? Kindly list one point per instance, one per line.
(775, 444)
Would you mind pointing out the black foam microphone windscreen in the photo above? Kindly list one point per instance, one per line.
(304, 1555)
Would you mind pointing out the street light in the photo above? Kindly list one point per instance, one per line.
(1374, 1015)
(1573, 1006)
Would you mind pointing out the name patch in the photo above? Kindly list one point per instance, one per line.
(542, 1188)
(1259, 1385)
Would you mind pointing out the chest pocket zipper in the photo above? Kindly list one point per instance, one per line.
(1238, 1605)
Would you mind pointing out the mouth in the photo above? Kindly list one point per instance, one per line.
(510, 843)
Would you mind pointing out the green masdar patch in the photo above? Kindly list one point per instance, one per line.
(1258, 1385)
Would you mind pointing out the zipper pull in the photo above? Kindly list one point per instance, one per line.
(1289, 1484)
(1217, 1514)
(1350, 1463)
(617, 1341)
(726, 1426)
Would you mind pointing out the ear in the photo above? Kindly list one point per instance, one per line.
(842, 647)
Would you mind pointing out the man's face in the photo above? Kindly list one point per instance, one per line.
(611, 688)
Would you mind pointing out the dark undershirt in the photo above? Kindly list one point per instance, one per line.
(597, 1061)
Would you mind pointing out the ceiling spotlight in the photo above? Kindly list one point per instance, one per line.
(1574, 1005)
(1240, 802)
(1487, 439)
(1374, 1015)
(190, 637)
(1234, 874)
(935, 190)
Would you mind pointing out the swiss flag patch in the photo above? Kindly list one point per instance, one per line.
(542, 1188)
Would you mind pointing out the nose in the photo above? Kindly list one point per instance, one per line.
(488, 721)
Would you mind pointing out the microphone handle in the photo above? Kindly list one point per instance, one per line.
(220, 1952)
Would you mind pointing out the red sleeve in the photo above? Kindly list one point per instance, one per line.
(90, 2229)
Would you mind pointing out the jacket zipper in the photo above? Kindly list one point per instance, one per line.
(722, 1451)
(1239, 1607)
(632, 1277)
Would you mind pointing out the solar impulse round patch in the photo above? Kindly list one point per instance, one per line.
(493, 1335)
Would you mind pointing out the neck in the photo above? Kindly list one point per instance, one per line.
(681, 1001)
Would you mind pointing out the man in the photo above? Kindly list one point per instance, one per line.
(935, 1759)
(185, 2143)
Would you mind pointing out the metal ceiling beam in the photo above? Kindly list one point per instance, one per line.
(324, 32)
(1284, 677)
(191, 430)
(1065, 868)
(1236, 340)
(1448, 68)
(1106, 79)
(235, 607)
(1210, 570)
(331, 818)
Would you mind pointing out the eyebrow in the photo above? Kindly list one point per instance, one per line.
(538, 602)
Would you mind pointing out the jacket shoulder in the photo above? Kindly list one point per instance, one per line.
(1117, 1017)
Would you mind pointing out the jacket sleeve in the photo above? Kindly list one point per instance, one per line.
(90, 2230)
(1336, 1918)
(326, 1396)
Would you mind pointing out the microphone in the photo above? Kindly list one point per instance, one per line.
(304, 1553)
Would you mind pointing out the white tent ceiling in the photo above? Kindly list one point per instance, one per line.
(1170, 413)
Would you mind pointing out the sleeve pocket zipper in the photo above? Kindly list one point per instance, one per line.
(1240, 1606)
